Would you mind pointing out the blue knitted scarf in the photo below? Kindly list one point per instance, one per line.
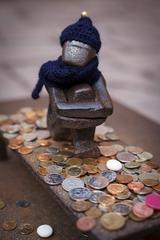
(59, 74)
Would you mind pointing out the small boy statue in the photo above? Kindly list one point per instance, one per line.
(78, 98)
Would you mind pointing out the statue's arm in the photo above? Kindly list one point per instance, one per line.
(102, 94)
(75, 109)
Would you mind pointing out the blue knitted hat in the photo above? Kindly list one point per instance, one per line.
(82, 31)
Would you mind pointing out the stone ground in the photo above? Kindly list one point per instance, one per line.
(129, 58)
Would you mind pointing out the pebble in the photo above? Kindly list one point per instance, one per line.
(114, 165)
(44, 231)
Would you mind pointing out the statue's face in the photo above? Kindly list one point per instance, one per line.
(77, 53)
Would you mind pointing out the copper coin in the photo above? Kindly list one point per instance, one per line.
(136, 186)
(108, 151)
(9, 225)
(2, 204)
(98, 182)
(125, 157)
(42, 171)
(134, 149)
(16, 142)
(25, 228)
(44, 157)
(80, 206)
(115, 188)
(157, 188)
(25, 150)
(86, 224)
(102, 166)
(141, 210)
(150, 182)
(93, 212)
(145, 168)
(112, 221)
(74, 161)
(73, 171)
(43, 142)
(102, 160)
(124, 178)
(106, 200)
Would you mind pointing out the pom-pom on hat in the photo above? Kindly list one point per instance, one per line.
(82, 31)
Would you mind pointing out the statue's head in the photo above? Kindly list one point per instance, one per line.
(80, 42)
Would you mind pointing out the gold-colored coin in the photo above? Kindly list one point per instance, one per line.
(106, 200)
(93, 212)
(81, 206)
(44, 157)
(9, 225)
(2, 204)
(43, 142)
(74, 171)
(42, 171)
(135, 218)
(74, 161)
(107, 151)
(112, 221)
(90, 168)
(25, 150)
(115, 188)
(25, 228)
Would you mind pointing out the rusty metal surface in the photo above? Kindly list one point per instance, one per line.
(132, 128)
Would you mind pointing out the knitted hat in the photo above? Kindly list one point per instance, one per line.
(82, 31)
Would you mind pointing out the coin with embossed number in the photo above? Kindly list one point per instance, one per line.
(98, 182)
(70, 183)
(53, 179)
(25, 228)
(80, 193)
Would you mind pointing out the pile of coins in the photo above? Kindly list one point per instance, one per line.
(123, 183)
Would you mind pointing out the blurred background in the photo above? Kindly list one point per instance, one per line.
(129, 57)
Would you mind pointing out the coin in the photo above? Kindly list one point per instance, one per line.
(80, 206)
(134, 217)
(93, 212)
(85, 224)
(123, 195)
(54, 169)
(134, 149)
(121, 208)
(42, 171)
(150, 182)
(125, 157)
(43, 134)
(141, 210)
(80, 193)
(44, 157)
(25, 228)
(118, 147)
(101, 166)
(145, 168)
(107, 151)
(132, 165)
(110, 175)
(153, 200)
(73, 171)
(52, 150)
(136, 186)
(95, 195)
(15, 142)
(112, 136)
(98, 182)
(91, 169)
(2, 204)
(70, 183)
(114, 165)
(144, 191)
(44, 142)
(157, 188)
(124, 179)
(115, 188)
(53, 179)
(145, 156)
(112, 221)
(74, 161)
(25, 150)
(23, 203)
(31, 145)
(106, 200)
(28, 137)
(9, 225)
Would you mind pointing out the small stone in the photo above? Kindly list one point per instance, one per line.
(44, 231)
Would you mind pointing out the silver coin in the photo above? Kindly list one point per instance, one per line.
(18, 117)
(54, 169)
(28, 137)
(10, 135)
(70, 183)
(110, 175)
(53, 179)
(10, 128)
(144, 156)
(95, 195)
(118, 147)
(121, 208)
(42, 123)
(131, 171)
(43, 134)
(98, 182)
(126, 157)
(80, 193)
(32, 144)
(112, 136)
(53, 150)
